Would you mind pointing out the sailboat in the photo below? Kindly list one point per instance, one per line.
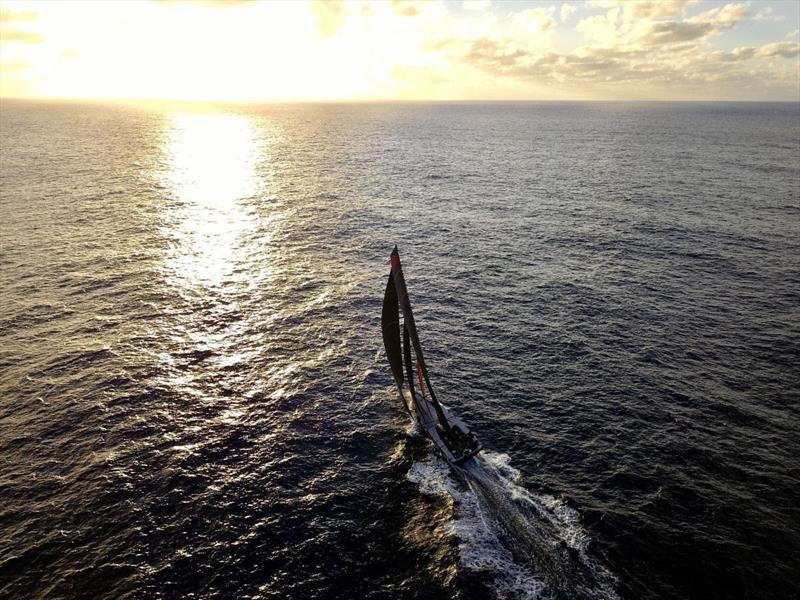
(451, 437)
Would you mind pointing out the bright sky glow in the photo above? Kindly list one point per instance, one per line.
(250, 51)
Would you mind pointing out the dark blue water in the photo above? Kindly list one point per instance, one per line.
(194, 400)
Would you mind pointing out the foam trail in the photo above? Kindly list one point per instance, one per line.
(532, 545)
(479, 548)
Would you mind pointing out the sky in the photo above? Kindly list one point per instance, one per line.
(349, 50)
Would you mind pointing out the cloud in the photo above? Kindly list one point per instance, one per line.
(330, 15)
(700, 26)
(660, 54)
(567, 10)
(736, 55)
(743, 53)
(672, 32)
(492, 56)
(21, 36)
(592, 65)
(644, 9)
(657, 23)
(723, 17)
(13, 33)
(408, 8)
(783, 49)
(536, 19)
(10, 16)
(17, 65)
(600, 28)
(477, 5)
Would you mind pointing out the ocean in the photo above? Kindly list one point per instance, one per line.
(195, 400)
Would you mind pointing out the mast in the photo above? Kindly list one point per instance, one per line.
(411, 328)
(407, 359)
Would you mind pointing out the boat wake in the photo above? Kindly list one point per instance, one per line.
(532, 546)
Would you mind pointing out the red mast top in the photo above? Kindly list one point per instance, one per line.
(395, 259)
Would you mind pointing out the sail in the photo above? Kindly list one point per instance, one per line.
(410, 325)
(390, 323)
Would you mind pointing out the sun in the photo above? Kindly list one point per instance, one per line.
(200, 51)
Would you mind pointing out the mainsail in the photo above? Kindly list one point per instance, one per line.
(390, 322)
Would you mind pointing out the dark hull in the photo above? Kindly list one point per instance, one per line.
(424, 416)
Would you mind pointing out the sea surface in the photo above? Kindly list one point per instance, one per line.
(195, 401)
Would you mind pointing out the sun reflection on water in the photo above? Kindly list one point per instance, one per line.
(217, 224)
(211, 174)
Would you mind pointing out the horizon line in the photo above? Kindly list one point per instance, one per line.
(145, 101)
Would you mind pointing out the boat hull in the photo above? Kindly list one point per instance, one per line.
(425, 416)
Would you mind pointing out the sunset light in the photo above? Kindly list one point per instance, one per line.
(249, 51)
(399, 299)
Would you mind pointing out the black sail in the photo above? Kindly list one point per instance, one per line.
(390, 323)
(408, 321)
